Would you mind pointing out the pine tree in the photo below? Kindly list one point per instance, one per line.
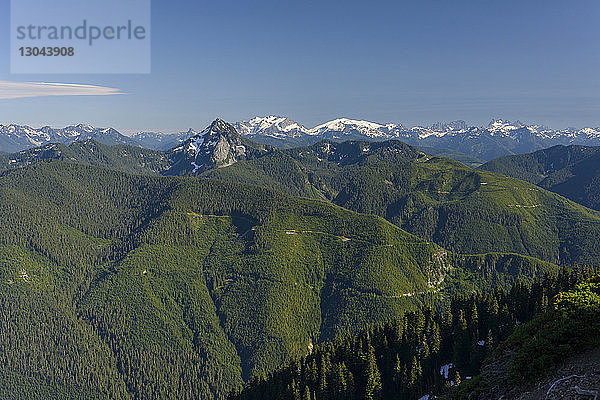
(436, 339)
(398, 331)
(489, 343)
(373, 377)
(323, 372)
(339, 386)
(397, 370)
(295, 391)
(312, 373)
(474, 320)
(462, 343)
(415, 371)
(544, 303)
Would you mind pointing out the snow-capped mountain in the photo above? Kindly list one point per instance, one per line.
(499, 138)
(286, 133)
(277, 129)
(344, 128)
(219, 145)
(15, 138)
(274, 126)
(281, 127)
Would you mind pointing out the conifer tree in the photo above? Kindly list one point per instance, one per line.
(415, 371)
(373, 377)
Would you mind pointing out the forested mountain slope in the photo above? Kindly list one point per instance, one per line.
(571, 171)
(466, 210)
(119, 286)
(444, 201)
(428, 353)
(125, 158)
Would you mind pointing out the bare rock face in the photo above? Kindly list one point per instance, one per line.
(222, 155)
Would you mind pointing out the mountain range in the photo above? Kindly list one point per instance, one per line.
(497, 139)
(462, 209)
(19, 137)
(455, 139)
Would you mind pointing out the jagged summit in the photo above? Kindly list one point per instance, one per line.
(218, 125)
(219, 145)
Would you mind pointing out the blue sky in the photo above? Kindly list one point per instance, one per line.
(413, 62)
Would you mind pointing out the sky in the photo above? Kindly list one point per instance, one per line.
(409, 62)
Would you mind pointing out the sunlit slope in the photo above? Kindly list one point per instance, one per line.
(145, 287)
(459, 208)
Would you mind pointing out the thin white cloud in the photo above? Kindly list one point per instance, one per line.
(17, 90)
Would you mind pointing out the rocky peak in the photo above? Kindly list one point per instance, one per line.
(217, 146)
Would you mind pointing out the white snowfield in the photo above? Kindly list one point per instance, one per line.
(282, 127)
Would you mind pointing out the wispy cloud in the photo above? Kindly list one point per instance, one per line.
(16, 90)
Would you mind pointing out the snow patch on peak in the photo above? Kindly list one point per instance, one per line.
(342, 123)
(338, 129)
(274, 126)
(503, 126)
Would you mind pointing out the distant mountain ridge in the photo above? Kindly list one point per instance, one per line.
(15, 138)
(162, 141)
(217, 146)
(499, 138)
